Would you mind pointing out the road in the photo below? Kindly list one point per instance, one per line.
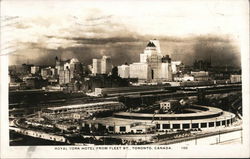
(206, 138)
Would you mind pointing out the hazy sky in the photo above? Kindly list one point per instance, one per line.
(38, 31)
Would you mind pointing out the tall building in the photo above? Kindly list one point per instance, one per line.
(102, 66)
(68, 70)
(153, 66)
(96, 66)
(142, 71)
(123, 71)
(106, 65)
(64, 76)
(59, 65)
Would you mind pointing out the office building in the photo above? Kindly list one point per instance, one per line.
(68, 70)
(123, 71)
(96, 66)
(142, 71)
(153, 66)
(102, 66)
(106, 65)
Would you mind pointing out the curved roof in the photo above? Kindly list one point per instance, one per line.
(211, 111)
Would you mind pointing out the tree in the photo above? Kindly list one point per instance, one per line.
(115, 72)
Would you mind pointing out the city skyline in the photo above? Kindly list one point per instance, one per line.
(103, 30)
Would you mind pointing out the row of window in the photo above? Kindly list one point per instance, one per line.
(195, 125)
(37, 135)
(87, 108)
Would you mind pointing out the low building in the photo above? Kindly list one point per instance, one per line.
(183, 78)
(235, 78)
(35, 69)
(175, 65)
(170, 105)
(88, 107)
(126, 90)
(200, 75)
(114, 125)
(46, 72)
(34, 82)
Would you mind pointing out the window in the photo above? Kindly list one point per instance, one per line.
(217, 123)
(203, 125)
(86, 125)
(185, 126)
(158, 126)
(122, 128)
(223, 122)
(195, 125)
(111, 128)
(166, 126)
(211, 124)
(176, 126)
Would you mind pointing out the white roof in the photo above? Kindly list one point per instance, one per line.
(81, 105)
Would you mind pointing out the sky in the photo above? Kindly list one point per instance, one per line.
(37, 31)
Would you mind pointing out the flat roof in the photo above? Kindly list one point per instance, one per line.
(81, 105)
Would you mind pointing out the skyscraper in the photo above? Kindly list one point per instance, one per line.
(153, 66)
(106, 65)
(96, 66)
(102, 66)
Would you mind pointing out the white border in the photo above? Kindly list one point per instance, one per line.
(192, 151)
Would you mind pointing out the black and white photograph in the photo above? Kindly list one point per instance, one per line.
(131, 75)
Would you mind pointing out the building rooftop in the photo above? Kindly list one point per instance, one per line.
(151, 44)
(81, 105)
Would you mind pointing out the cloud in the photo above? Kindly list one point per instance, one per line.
(96, 32)
(221, 49)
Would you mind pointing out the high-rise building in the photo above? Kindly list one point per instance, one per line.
(153, 66)
(102, 66)
(123, 71)
(64, 76)
(142, 71)
(68, 70)
(59, 65)
(96, 66)
(106, 65)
